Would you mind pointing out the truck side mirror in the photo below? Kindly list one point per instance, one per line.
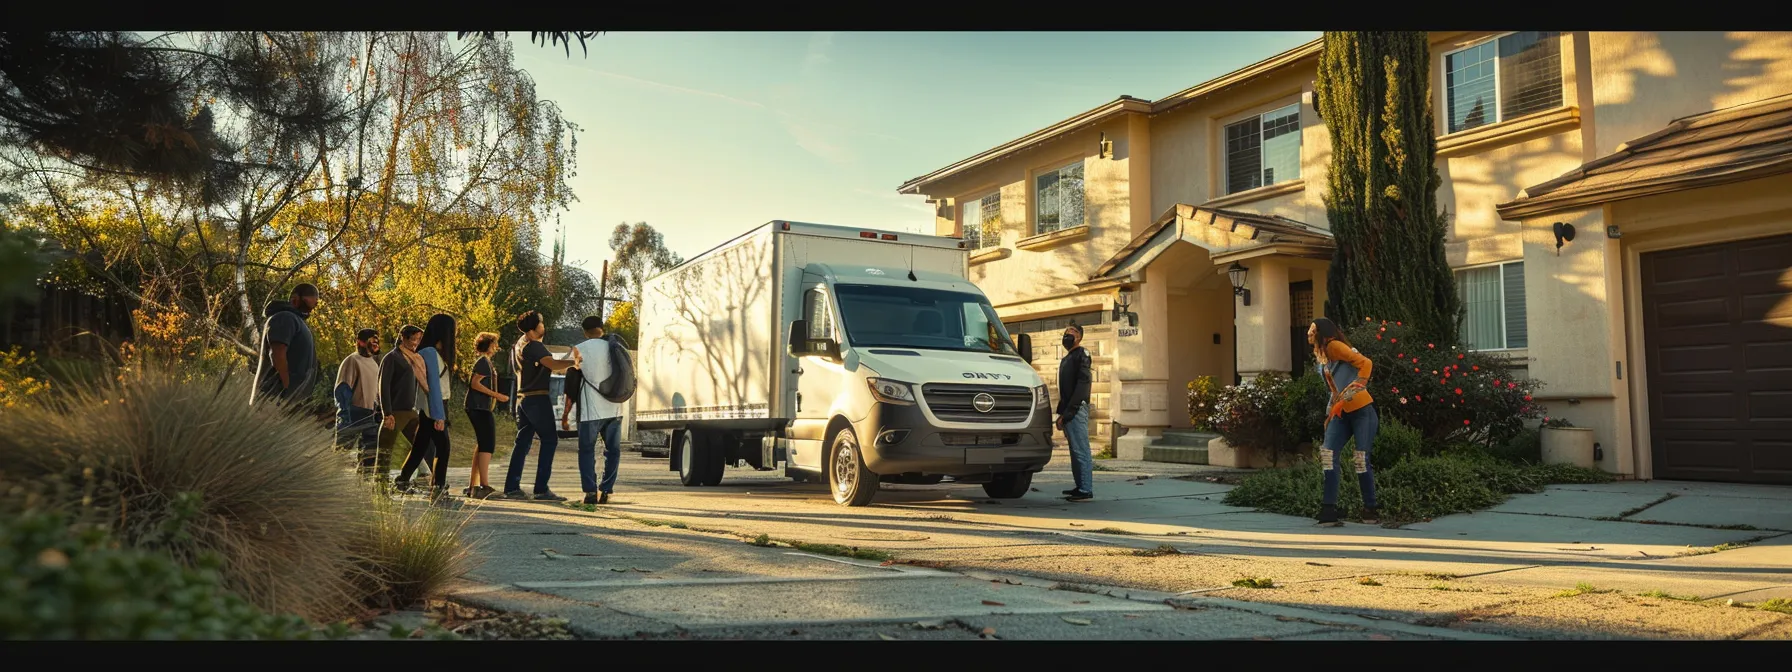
(799, 338)
(1024, 343)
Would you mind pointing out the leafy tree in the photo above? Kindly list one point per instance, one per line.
(641, 253)
(625, 323)
(547, 38)
(1374, 93)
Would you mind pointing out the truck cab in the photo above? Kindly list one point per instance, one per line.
(910, 381)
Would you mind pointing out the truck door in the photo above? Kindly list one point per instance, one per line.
(817, 381)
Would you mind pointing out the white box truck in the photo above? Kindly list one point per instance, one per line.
(854, 357)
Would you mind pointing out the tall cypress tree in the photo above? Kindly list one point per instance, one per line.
(1375, 95)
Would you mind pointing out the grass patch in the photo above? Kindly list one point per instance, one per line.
(1097, 466)
(1453, 589)
(1726, 546)
(1418, 488)
(409, 553)
(1663, 595)
(1640, 509)
(1079, 588)
(841, 551)
(1583, 589)
(650, 522)
(1161, 550)
(1778, 604)
(1254, 582)
(1368, 581)
(763, 540)
(1115, 530)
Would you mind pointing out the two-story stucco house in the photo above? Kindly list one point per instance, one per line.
(1665, 324)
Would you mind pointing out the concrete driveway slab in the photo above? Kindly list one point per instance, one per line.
(1577, 503)
(1762, 513)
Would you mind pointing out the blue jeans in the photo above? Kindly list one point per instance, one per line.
(1082, 463)
(610, 429)
(362, 427)
(1361, 423)
(534, 418)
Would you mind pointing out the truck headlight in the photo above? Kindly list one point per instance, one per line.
(1042, 396)
(891, 391)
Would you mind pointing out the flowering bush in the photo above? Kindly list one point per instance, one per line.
(19, 378)
(1445, 391)
(1249, 415)
(1203, 396)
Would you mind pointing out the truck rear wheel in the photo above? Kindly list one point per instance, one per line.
(1009, 486)
(698, 463)
(716, 460)
(847, 477)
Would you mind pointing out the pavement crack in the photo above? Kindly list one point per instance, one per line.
(1645, 507)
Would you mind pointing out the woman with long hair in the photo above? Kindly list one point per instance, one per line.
(437, 352)
(1349, 413)
(480, 401)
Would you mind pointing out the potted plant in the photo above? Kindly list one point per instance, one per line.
(1563, 443)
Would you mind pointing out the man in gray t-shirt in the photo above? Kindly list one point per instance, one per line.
(288, 367)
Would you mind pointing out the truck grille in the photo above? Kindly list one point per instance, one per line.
(955, 403)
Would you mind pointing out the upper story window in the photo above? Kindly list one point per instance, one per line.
(1263, 150)
(1503, 78)
(983, 221)
(1493, 303)
(1059, 195)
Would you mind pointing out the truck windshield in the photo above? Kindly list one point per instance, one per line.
(914, 317)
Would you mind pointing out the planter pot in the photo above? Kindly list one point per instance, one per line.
(1568, 445)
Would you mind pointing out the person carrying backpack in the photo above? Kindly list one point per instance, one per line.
(600, 414)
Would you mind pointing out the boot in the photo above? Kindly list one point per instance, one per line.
(1328, 516)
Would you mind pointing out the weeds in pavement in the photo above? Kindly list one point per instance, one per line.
(1726, 546)
(1254, 582)
(662, 523)
(762, 540)
(1161, 550)
(1640, 509)
(1114, 530)
(1663, 595)
(841, 551)
(1779, 604)
(1583, 589)
(1453, 589)
(1097, 466)
(1079, 588)
(1368, 581)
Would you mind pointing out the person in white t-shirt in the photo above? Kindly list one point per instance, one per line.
(597, 416)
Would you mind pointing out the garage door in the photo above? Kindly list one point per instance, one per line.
(1718, 330)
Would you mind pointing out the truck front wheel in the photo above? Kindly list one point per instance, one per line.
(1009, 486)
(851, 483)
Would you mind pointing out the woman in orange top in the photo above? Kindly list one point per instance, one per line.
(1350, 413)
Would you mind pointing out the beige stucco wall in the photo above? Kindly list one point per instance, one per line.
(1187, 146)
(1644, 80)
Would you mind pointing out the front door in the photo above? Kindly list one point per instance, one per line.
(818, 382)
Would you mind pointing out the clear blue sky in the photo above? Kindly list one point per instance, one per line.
(705, 135)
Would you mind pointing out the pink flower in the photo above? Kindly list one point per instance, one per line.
(1419, 398)
(1459, 390)
(1459, 356)
(1384, 328)
(1527, 397)
(1393, 340)
(1397, 390)
(1400, 356)
(1476, 367)
(1511, 386)
(1399, 324)
(1465, 422)
(1403, 400)
(1496, 383)
(1433, 346)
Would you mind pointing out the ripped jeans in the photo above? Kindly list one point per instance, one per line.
(1361, 423)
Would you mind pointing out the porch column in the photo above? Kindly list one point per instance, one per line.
(1142, 367)
(1263, 325)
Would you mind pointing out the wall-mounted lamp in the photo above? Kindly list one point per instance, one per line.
(1238, 289)
(1106, 148)
(1123, 301)
(1564, 233)
(1611, 231)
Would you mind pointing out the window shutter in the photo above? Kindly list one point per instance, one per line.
(1516, 327)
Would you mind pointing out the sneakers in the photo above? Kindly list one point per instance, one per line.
(1328, 516)
(1079, 496)
(597, 498)
(1371, 516)
(516, 494)
(603, 498)
(590, 498)
(484, 492)
(548, 496)
(1071, 491)
(403, 487)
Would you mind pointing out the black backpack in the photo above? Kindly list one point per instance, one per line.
(620, 386)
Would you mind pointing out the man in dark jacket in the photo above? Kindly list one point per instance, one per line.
(398, 400)
(1074, 376)
(288, 367)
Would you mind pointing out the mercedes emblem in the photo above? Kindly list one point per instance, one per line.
(983, 402)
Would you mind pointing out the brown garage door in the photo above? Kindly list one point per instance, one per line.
(1718, 328)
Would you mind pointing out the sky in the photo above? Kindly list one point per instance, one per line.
(707, 135)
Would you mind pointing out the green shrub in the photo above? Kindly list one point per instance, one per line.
(408, 553)
(62, 583)
(1203, 398)
(1394, 443)
(189, 469)
(1414, 488)
(1525, 447)
(1249, 415)
(1302, 408)
(1444, 390)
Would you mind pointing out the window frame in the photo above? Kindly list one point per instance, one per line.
(964, 224)
(1499, 101)
(1300, 128)
(1034, 201)
(1505, 336)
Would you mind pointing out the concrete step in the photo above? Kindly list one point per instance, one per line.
(1186, 439)
(1176, 454)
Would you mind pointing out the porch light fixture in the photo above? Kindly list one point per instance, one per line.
(1123, 301)
(1238, 289)
(1105, 147)
(1564, 233)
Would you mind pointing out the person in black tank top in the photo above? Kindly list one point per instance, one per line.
(535, 367)
(482, 397)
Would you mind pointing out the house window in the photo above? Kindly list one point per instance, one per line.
(983, 221)
(1059, 196)
(1263, 150)
(1493, 300)
(1503, 78)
